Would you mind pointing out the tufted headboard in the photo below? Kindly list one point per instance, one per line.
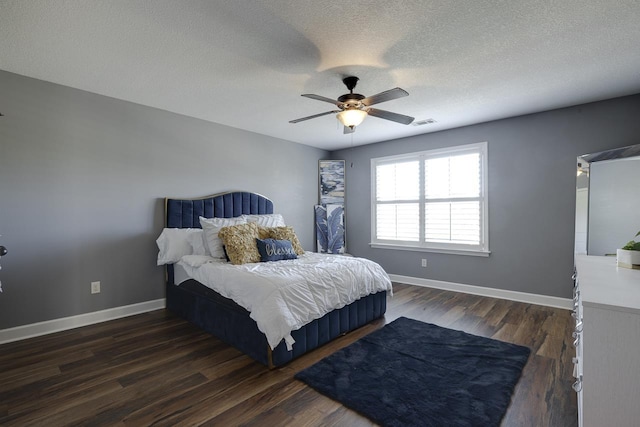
(184, 213)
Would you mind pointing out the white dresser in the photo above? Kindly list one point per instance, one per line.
(607, 340)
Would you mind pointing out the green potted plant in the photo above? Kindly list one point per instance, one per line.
(629, 255)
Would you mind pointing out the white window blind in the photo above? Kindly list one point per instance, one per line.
(432, 199)
(398, 216)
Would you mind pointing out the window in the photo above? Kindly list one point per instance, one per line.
(433, 200)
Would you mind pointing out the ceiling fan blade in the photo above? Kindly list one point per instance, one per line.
(322, 98)
(388, 115)
(313, 117)
(347, 130)
(387, 95)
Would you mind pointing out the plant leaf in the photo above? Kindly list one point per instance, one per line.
(322, 235)
(336, 230)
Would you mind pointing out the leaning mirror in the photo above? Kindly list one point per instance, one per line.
(607, 200)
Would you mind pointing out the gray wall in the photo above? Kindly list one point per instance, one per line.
(614, 204)
(532, 184)
(82, 182)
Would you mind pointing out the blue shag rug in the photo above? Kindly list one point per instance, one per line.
(411, 373)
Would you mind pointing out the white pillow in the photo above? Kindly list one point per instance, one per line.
(196, 240)
(173, 244)
(211, 227)
(266, 220)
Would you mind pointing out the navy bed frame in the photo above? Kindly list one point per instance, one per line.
(227, 320)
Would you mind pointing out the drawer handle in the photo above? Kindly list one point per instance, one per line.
(574, 360)
(579, 327)
(577, 386)
(573, 276)
(576, 342)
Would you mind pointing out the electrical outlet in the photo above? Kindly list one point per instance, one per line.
(95, 287)
(424, 262)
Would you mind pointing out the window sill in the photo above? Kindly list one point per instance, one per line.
(434, 250)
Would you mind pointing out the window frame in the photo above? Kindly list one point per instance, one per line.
(482, 249)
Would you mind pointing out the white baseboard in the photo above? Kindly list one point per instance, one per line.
(565, 303)
(65, 323)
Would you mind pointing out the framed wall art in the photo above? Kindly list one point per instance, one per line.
(332, 185)
(330, 237)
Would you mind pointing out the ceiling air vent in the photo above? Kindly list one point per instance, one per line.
(424, 122)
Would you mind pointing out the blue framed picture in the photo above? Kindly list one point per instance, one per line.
(332, 183)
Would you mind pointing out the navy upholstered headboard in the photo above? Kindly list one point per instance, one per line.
(184, 213)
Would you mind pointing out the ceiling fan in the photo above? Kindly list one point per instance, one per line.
(354, 108)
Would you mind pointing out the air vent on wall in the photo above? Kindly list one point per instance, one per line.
(424, 122)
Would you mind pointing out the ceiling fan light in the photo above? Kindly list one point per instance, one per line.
(352, 117)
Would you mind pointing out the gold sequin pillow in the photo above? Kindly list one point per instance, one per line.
(240, 243)
(282, 233)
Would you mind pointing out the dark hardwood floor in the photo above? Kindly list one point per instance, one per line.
(156, 369)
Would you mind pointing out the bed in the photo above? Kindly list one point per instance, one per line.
(227, 320)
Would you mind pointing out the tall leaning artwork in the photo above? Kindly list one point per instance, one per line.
(329, 214)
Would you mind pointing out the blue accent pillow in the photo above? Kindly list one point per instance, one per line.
(275, 250)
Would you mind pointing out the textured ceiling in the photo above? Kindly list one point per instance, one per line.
(245, 63)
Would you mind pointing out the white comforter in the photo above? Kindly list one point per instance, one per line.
(283, 296)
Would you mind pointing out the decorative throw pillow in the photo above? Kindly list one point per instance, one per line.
(211, 227)
(282, 233)
(275, 250)
(264, 232)
(266, 220)
(240, 243)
